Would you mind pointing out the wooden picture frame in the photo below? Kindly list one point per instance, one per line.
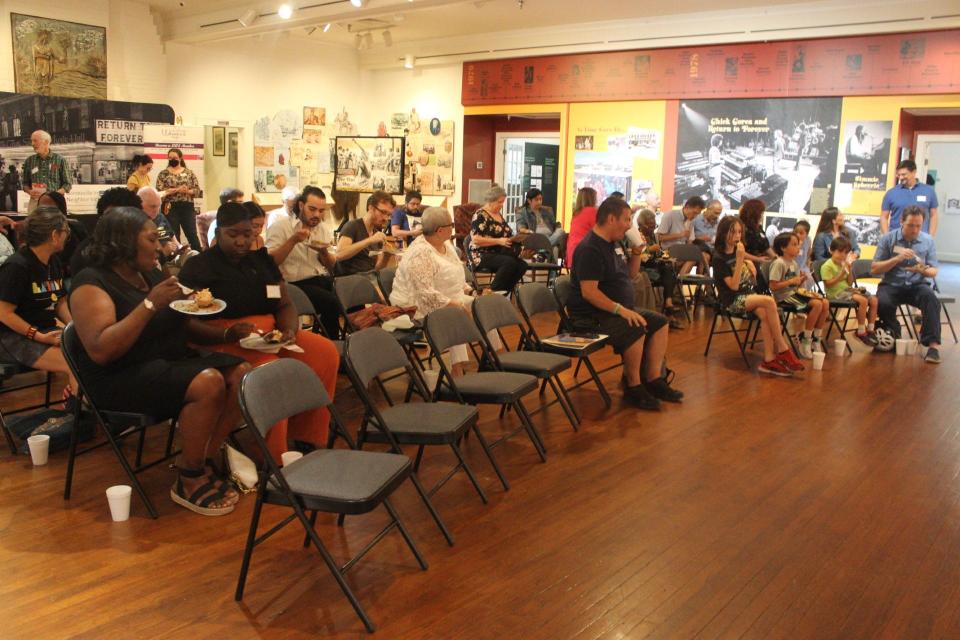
(219, 141)
(54, 57)
(369, 163)
(233, 145)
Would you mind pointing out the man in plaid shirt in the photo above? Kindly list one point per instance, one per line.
(44, 171)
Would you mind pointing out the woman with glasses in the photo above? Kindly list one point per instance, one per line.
(360, 248)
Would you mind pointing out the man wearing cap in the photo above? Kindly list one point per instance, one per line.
(43, 171)
(288, 198)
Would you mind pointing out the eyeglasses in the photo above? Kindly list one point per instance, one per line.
(388, 212)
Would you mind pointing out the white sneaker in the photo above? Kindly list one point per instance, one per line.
(806, 349)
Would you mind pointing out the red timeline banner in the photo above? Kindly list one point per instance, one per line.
(919, 62)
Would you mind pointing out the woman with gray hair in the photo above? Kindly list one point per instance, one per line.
(33, 295)
(494, 247)
(430, 276)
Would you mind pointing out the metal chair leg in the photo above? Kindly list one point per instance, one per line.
(596, 378)
(248, 549)
(9, 437)
(469, 472)
(493, 461)
(531, 430)
(949, 322)
(433, 511)
(405, 534)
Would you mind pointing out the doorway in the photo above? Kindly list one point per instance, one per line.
(938, 156)
(525, 162)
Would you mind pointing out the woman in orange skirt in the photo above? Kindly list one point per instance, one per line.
(256, 295)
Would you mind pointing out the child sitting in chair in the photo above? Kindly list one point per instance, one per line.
(837, 278)
(786, 283)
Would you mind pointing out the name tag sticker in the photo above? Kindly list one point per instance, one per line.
(921, 198)
(273, 291)
(619, 251)
(35, 170)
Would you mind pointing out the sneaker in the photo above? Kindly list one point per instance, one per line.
(775, 368)
(867, 338)
(662, 391)
(806, 349)
(790, 361)
(933, 355)
(676, 324)
(639, 396)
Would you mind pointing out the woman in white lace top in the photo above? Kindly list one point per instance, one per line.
(430, 276)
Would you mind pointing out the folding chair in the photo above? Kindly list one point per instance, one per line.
(385, 279)
(341, 481)
(475, 271)
(784, 310)
(116, 426)
(448, 327)
(371, 353)
(747, 338)
(7, 371)
(492, 313)
(538, 242)
(945, 299)
(683, 253)
(835, 306)
(562, 290)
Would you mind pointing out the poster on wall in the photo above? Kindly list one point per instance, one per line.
(59, 58)
(97, 139)
(781, 151)
(367, 164)
(429, 159)
(642, 143)
(605, 172)
(865, 155)
(159, 139)
(272, 137)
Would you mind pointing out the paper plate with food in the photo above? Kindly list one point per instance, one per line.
(269, 342)
(202, 304)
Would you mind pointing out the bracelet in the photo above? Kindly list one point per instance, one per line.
(616, 309)
(31, 333)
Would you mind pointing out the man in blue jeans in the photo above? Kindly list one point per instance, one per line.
(906, 258)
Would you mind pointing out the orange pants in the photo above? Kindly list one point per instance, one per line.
(318, 353)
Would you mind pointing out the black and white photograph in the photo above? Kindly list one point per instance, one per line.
(775, 225)
(366, 163)
(865, 155)
(781, 151)
(867, 228)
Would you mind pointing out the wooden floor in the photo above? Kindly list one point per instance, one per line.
(821, 507)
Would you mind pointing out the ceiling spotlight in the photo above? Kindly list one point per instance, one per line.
(248, 18)
(285, 11)
(388, 38)
(326, 27)
(409, 62)
(368, 40)
(358, 3)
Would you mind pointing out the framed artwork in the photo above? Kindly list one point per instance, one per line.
(233, 144)
(219, 141)
(369, 163)
(59, 58)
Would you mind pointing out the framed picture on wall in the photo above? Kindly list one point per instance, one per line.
(59, 58)
(233, 144)
(219, 141)
(369, 163)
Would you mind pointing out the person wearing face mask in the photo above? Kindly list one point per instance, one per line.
(180, 186)
(909, 192)
(300, 247)
(32, 295)
(249, 281)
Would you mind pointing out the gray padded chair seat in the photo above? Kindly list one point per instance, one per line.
(343, 480)
(536, 363)
(492, 387)
(425, 422)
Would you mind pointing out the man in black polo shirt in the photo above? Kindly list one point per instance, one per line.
(602, 301)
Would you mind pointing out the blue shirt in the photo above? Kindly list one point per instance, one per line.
(703, 228)
(900, 197)
(821, 244)
(400, 219)
(898, 276)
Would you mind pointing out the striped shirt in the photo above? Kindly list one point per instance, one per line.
(48, 173)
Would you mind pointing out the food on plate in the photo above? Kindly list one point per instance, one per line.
(273, 337)
(203, 298)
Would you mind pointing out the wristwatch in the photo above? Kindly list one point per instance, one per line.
(149, 305)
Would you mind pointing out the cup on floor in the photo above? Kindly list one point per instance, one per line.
(289, 457)
(903, 346)
(913, 347)
(39, 449)
(818, 358)
(840, 348)
(118, 497)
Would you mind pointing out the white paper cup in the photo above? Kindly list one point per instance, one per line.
(903, 347)
(118, 497)
(289, 457)
(913, 347)
(818, 358)
(840, 348)
(39, 449)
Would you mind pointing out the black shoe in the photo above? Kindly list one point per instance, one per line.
(662, 391)
(933, 355)
(639, 396)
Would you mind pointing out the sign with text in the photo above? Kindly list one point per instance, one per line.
(119, 132)
(923, 62)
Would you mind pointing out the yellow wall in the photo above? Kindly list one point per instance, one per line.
(883, 108)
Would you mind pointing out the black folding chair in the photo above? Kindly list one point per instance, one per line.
(538, 242)
(493, 313)
(7, 371)
(701, 283)
(342, 481)
(385, 278)
(745, 337)
(836, 306)
(448, 327)
(116, 426)
(373, 352)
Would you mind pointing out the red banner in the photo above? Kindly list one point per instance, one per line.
(925, 62)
